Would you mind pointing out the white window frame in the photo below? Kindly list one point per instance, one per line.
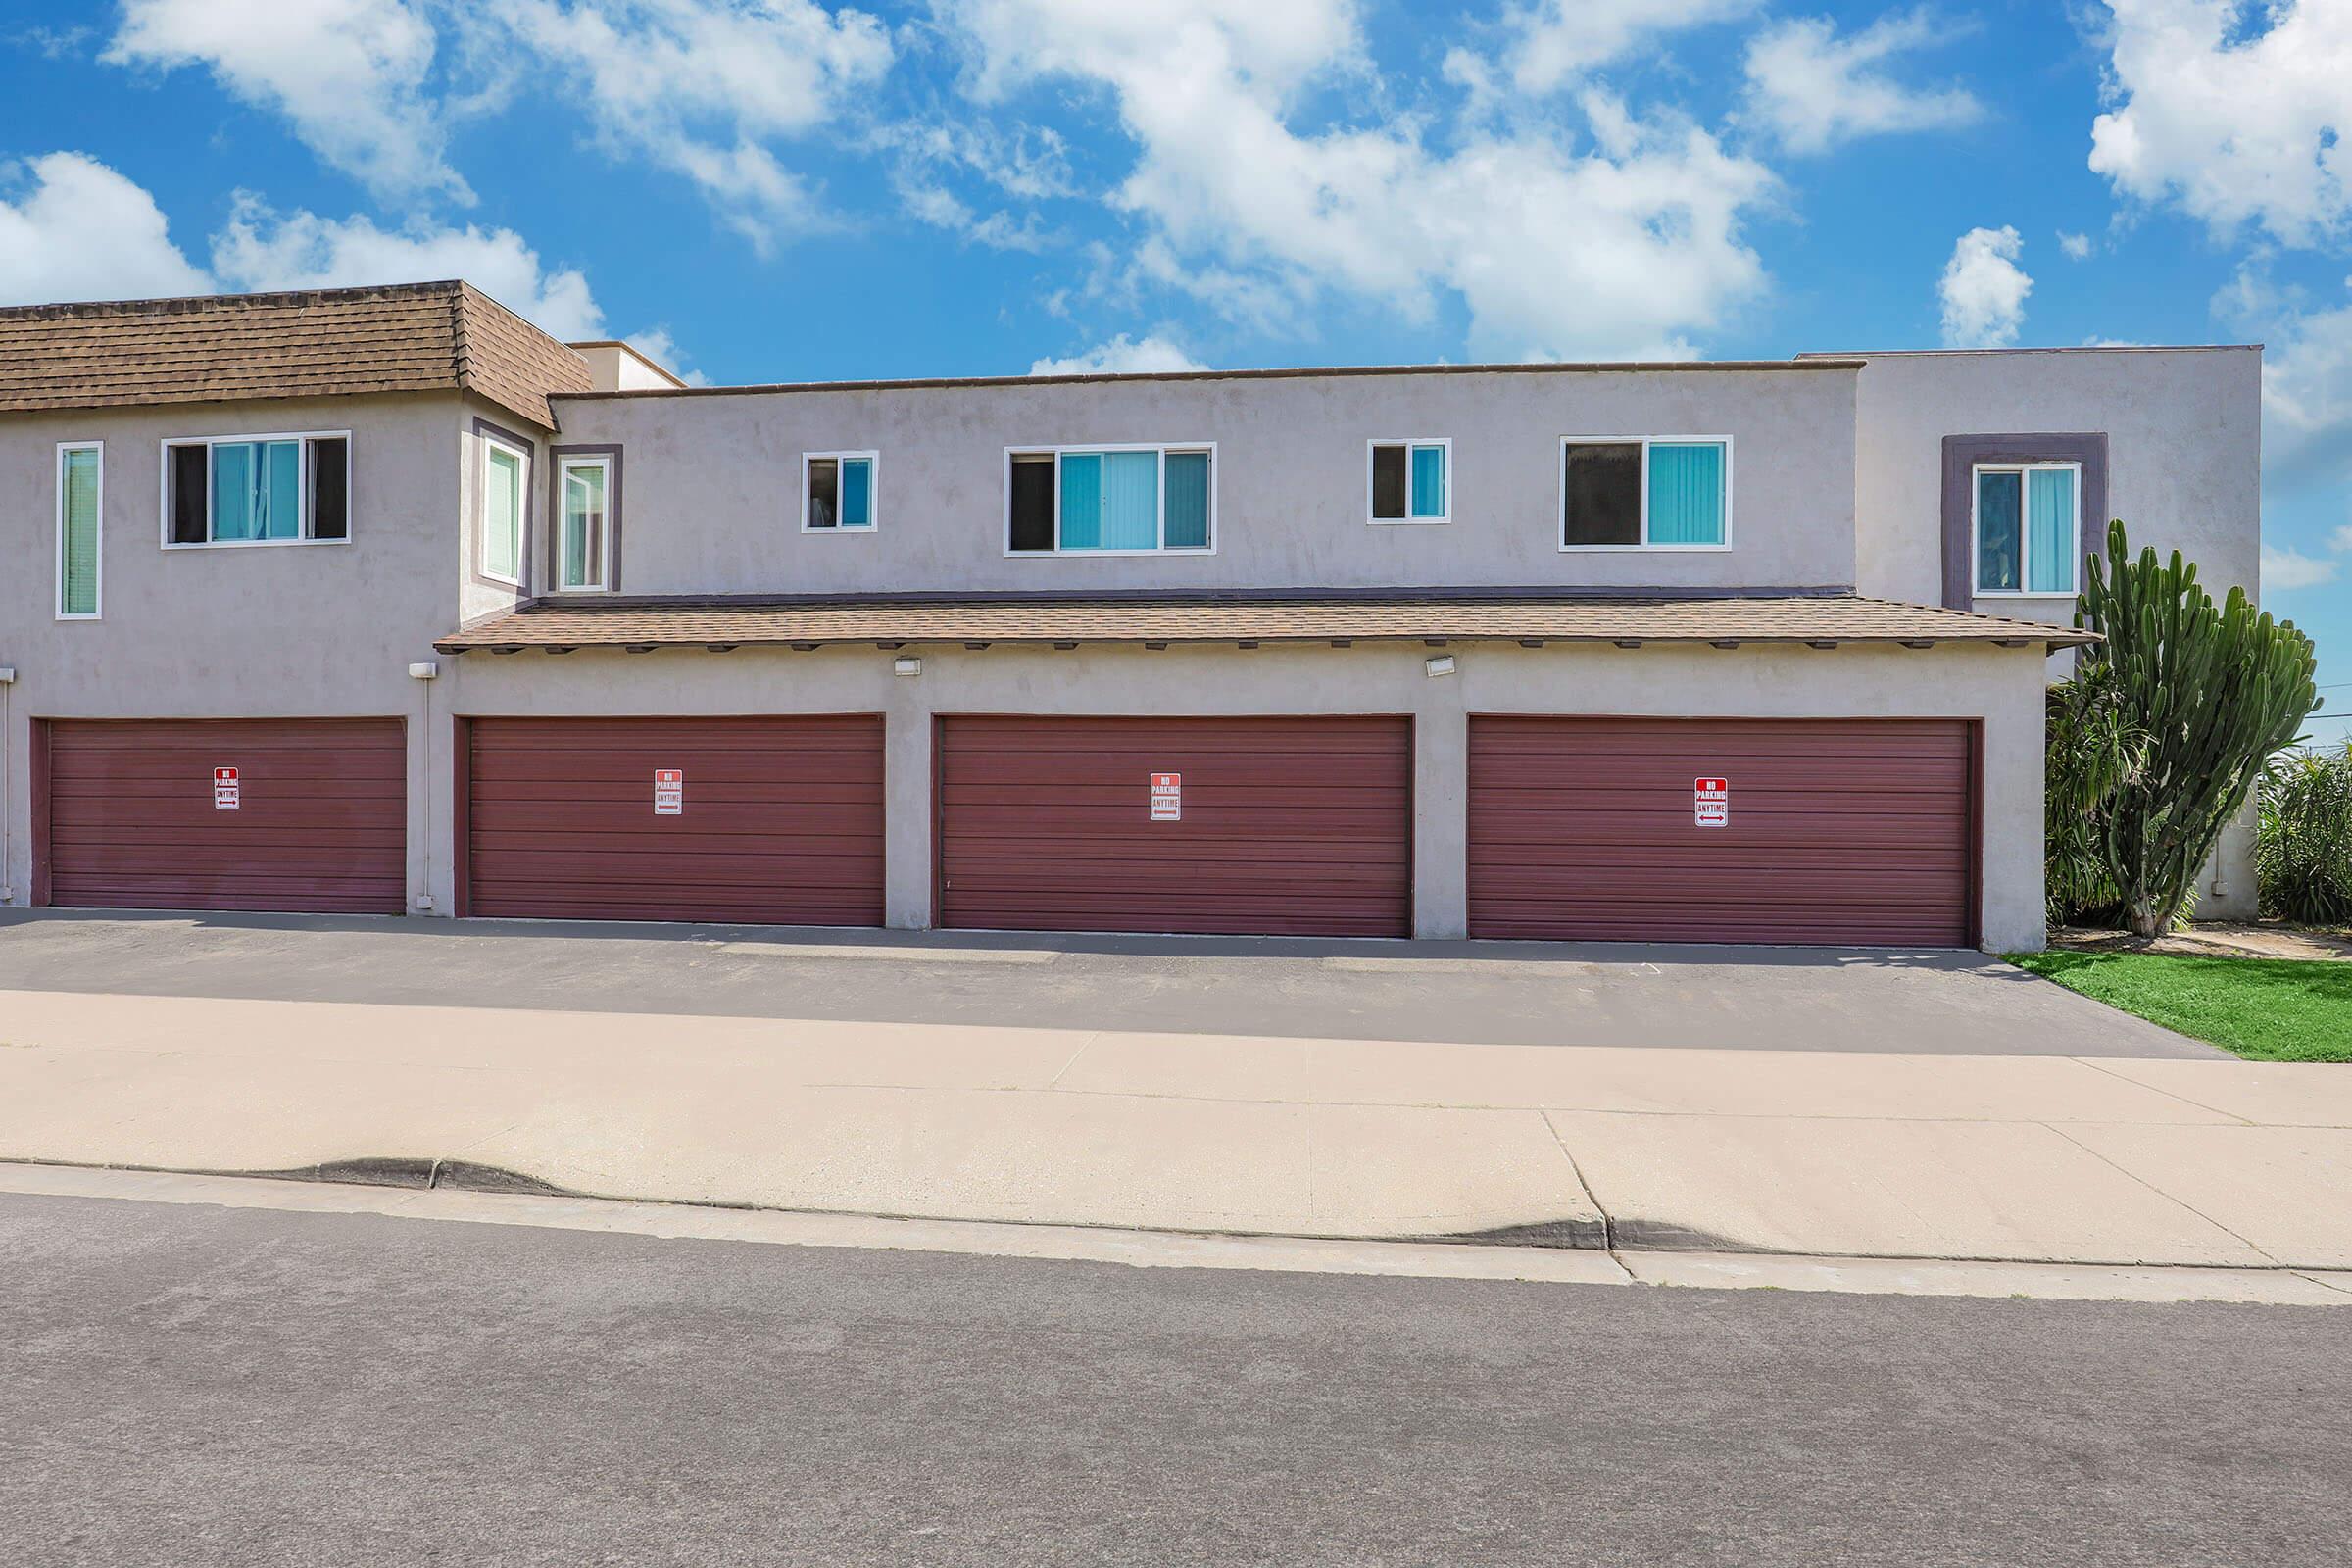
(1559, 508)
(873, 492)
(57, 476)
(564, 464)
(302, 439)
(2025, 533)
(522, 511)
(1163, 448)
(1445, 515)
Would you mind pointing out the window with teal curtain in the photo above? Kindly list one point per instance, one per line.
(78, 563)
(1131, 501)
(1429, 481)
(1686, 493)
(257, 490)
(857, 493)
(1080, 501)
(2000, 531)
(1187, 501)
(2052, 547)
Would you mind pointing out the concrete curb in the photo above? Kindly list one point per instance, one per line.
(440, 1192)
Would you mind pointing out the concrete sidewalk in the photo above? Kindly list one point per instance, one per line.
(2105, 1160)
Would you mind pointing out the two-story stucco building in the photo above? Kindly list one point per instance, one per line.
(381, 600)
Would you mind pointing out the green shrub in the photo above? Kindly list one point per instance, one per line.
(2304, 855)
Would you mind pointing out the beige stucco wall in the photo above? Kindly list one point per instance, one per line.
(2184, 472)
(713, 481)
(2001, 687)
(293, 630)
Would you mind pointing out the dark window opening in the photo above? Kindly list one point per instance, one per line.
(1032, 503)
(1603, 494)
(330, 483)
(191, 474)
(1388, 482)
(825, 493)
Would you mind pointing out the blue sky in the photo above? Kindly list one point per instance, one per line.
(783, 189)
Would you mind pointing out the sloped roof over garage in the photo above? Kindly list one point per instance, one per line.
(1468, 617)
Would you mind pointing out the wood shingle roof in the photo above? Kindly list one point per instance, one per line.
(409, 337)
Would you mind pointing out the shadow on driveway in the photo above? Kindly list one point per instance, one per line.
(1941, 1001)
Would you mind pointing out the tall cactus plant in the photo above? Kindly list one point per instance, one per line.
(2215, 690)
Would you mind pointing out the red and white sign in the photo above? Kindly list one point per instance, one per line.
(1167, 797)
(1711, 802)
(669, 791)
(224, 789)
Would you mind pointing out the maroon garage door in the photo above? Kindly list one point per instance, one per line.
(768, 819)
(1832, 831)
(314, 819)
(1264, 826)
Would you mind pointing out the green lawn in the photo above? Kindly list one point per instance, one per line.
(2265, 1009)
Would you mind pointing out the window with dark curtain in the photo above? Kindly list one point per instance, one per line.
(331, 482)
(191, 477)
(825, 493)
(1603, 494)
(1033, 503)
(1388, 482)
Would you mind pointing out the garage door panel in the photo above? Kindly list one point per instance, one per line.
(321, 824)
(1289, 826)
(780, 819)
(1841, 831)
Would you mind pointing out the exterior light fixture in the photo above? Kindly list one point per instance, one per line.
(423, 670)
(1442, 664)
(906, 665)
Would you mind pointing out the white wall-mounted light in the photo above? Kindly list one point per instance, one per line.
(1442, 664)
(423, 670)
(906, 665)
(8, 674)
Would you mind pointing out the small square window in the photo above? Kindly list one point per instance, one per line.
(838, 494)
(1410, 481)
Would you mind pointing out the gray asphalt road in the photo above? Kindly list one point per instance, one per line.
(192, 1387)
(1498, 992)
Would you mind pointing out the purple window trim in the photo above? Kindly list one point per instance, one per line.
(1962, 453)
(555, 516)
(522, 557)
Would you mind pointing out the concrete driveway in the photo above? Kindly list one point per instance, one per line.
(1480, 993)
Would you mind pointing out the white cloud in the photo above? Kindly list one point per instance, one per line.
(657, 345)
(1122, 357)
(703, 86)
(1556, 43)
(72, 229)
(2237, 120)
(1619, 247)
(2074, 247)
(2306, 374)
(1984, 290)
(2341, 539)
(2283, 570)
(1813, 89)
(263, 249)
(350, 74)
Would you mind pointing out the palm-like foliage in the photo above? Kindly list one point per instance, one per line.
(2304, 857)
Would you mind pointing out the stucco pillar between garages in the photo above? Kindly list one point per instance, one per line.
(907, 842)
(1442, 807)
